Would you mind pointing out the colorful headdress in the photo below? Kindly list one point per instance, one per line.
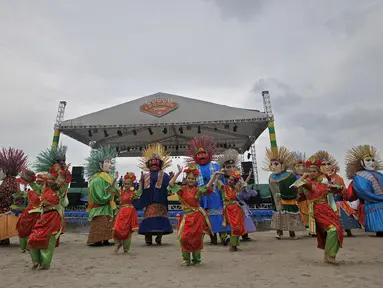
(192, 168)
(201, 144)
(284, 156)
(155, 151)
(96, 157)
(12, 161)
(230, 156)
(47, 158)
(313, 161)
(324, 156)
(355, 155)
(130, 176)
(236, 174)
(300, 157)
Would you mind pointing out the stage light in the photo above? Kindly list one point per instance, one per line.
(150, 131)
(188, 127)
(134, 132)
(181, 130)
(225, 145)
(199, 129)
(235, 128)
(119, 133)
(106, 134)
(165, 130)
(248, 156)
(128, 149)
(140, 148)
(90, 133)
(166, 147)
(177, 147)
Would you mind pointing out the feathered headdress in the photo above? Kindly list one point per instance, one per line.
(284, 156)
(96, 157)
(192, 168)
(201, 144)
(230, 156)
(355, 155)
(46, 159)
(313, 161)
(324, 156)
(300, 157)
(155, 151)
(130, 176)
(12, 161)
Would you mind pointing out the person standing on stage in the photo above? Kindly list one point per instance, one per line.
(201, 150)
(102, 189)
(154, 197)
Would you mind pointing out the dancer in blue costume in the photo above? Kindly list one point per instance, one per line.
(154, 197)
(231, 161)
(201, 150)
(362, 165)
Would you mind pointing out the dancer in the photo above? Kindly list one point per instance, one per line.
(299, 169)
(126, 221)
(286, 216)
(102, 189)
(154, 197)
(229, 161)
(195, 222)
(362, 165)
(46, 232)
(348, 217)
(12, 161)
(328, 230)
(201, 150)
(232, 212)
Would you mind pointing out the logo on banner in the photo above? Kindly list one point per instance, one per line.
(158, 107)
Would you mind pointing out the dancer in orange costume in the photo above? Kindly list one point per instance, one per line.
(195, 222)
(126, 221)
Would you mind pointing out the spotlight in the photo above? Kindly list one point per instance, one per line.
(140, 148)
(119, 133)
(106, 134)
(134, 132)
(248, 156)
(150, 131)
(90, 133)
(177, 147)
(181, 130)
(165, 130)
(225, 145)
(199, 129)
(188, 127)
(235, 128)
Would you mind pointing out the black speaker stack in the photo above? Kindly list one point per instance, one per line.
(78, 180)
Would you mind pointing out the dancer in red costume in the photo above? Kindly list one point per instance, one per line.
(126, 221)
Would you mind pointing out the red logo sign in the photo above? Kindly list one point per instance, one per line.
(158, 107)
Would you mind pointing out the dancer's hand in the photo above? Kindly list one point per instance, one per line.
(116, 175)
(180, 169)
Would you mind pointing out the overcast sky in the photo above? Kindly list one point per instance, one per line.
(322, 61)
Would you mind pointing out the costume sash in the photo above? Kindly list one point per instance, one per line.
(107, 178)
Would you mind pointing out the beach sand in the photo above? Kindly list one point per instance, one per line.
(265, 262)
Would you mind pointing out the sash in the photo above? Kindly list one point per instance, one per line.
(107, 178)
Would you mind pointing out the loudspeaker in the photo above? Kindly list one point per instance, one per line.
(74, 199)
(78, 170)
(246, 166)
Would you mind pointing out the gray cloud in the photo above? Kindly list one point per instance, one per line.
(321, 63)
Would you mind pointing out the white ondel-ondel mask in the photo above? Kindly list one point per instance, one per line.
(369, 163)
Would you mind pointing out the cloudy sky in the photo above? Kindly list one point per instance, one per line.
(322, 61)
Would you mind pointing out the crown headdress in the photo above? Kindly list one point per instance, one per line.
(313, 161)
(355, 155)
(300, 157)
(130, 176)
(192, 168)
(47, 158)
(201, 144)
(155, 151)
(283, 155)
(324, 156)
(97, 156)
(230, 156)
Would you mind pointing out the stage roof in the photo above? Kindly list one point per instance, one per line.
(170, 119)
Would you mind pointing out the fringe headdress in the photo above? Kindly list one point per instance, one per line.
(230, 156)
(324, 156)
(155, 151)
(96, 157)
(192, 168)
(201, 144)
(300, 157)
(284, 157)
(47, 158)
(130, 176)
(355, 155)
(12, 161)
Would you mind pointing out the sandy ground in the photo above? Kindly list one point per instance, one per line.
(265, 262)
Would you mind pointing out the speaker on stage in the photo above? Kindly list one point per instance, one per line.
(78, 180)
(246, 166)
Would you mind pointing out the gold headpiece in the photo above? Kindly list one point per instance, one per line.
(155, 151)
(284, 156)
(355, 155)
(324, 156)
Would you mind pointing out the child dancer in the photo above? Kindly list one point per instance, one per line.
(126, 221)
(232, 213)
(195, 222)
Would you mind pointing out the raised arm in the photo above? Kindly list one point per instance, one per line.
(174, 179)
(248, 178)
(213, 178)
